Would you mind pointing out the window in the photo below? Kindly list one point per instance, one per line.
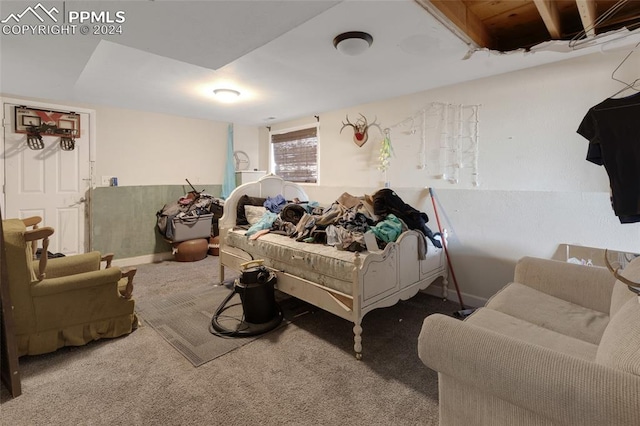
(295, 155)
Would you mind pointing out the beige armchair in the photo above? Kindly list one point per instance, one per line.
(66, 301)
(558, 346)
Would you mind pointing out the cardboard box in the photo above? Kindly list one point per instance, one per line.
(592, 256)
(192, 227)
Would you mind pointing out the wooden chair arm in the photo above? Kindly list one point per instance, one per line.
(40, 234)
(31, 221)
(107, 258)
(128, 290)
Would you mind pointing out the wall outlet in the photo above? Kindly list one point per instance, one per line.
(106, 180)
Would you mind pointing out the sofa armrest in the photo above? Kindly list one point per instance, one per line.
(588, 286)
(80, 281)
(71, 265)
(565, 389)
(127, 289)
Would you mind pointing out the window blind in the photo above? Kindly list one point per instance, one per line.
(295, 155)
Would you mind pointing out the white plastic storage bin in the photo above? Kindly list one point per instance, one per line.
(192, 227)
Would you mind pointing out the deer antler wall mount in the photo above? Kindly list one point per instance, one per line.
(360, 129)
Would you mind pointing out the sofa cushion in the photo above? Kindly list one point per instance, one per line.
(550, 312)
(531, 333)
(621, 293)
(620, 344)
(588, 286)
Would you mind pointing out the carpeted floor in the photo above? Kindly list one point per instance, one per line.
(183, 320)
(301, 374)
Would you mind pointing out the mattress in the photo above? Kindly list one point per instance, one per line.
(319, 263)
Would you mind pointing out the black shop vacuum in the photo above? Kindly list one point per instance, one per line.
(260, 312)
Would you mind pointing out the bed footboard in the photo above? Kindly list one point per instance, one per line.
(378, 280)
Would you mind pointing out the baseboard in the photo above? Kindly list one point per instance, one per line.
(469, 300)
(141, 260)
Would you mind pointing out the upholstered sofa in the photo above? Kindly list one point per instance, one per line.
(558, 346)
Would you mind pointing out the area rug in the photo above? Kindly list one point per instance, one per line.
(183, 320)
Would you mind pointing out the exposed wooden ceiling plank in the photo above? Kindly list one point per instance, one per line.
(588, 15)
(549, 13)
(460, 17)
(491, 8)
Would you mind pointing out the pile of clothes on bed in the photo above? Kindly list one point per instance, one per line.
(344, 223)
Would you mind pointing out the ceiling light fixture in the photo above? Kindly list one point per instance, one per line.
(352, 43)
(226, 95)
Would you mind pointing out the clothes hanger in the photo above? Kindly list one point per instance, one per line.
(627, 85)
(608, 15)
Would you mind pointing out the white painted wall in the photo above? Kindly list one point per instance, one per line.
(144, 148)
(537, 190)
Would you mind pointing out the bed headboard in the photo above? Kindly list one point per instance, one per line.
(267, 186)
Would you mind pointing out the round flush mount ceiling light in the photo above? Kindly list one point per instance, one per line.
(352, 43)
(226, 95)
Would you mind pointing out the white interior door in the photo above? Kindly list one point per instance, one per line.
(51, 183)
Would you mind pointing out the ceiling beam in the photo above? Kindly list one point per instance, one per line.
(548, 11)
(588, 15)
(455, 15)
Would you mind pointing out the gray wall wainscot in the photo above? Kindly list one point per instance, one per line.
(123, 218)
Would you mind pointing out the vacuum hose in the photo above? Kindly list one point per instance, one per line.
(261, 313)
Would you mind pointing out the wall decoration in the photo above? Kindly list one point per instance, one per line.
(47, 122)
(38, 122)
(458, 140)
(67, 143)
(448, 140)
(242, 161)
(386, 150)
(30, 120)
(360, 129)
(34, 141)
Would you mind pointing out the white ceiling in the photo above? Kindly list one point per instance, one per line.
(278, 54)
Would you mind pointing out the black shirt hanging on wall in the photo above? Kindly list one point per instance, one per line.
(613, 130)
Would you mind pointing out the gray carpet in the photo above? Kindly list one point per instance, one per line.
(301, 374)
